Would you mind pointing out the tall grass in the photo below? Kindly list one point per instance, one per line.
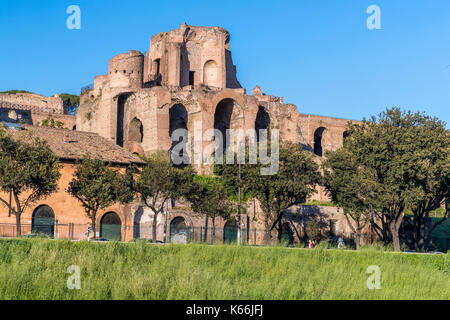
(36, 269)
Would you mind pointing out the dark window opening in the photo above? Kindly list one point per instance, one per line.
(318, 141)
(191, 78)
(157, 65)
(262, 121)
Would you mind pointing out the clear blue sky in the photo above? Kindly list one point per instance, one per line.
(318, 54)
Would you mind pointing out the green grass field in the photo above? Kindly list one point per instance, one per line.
(37, 269)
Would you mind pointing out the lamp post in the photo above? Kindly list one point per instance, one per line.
(239, 207)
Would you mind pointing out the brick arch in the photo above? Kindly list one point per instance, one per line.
(114, 209)
(227, 94)
(187, 218)
(319, 140)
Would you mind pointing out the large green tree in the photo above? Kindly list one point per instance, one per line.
(349, 185)
(29, 172)
(296, 178)
(97, 186)
(208, 197)
(428, 158)
(407, 154)
(159, 181)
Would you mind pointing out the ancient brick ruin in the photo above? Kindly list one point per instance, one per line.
(30, 108)
(188, 76)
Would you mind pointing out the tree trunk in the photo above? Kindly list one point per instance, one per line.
(267, 234)
(18, 226)
(395, 236)
(155, 222)
(205, 238)
(280, 230)
(358, 240)
(94, 227)
(213, 230)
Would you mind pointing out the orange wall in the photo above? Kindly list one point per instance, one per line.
(68, 209)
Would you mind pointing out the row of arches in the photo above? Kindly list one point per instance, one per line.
(43, 223)
(228, 115)
(180, 232)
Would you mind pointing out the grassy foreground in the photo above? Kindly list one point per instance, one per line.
(37, 269)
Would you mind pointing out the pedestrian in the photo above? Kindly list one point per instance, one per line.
(340, 242)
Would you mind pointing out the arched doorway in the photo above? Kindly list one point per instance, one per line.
(228, 115)
(43, 221)
(318, 141)
(179, 121)
(230, 232)
(287, 236)
(210, 73)
(179, 232)
(262, 121)
(111, 227)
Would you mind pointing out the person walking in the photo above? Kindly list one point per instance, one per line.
(340, 243)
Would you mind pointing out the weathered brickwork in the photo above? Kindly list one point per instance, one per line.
(33, 108)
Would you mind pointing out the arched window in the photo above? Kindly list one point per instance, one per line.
(179, 121)
(262, 121)
(136, 131)
(287, 236)
(43, 221)
(210, 73)
(227, 116)
(318, 141)
(179, 232)
(111, 227)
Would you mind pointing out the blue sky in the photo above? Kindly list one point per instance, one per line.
(317, 54)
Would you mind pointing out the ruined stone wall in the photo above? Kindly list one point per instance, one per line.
(30, 101)
(126, 70)
(33, 109)
(139, 115)
(191, 56)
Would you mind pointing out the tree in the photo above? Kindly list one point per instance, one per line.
(159, 181)
(429, 161)
(392, 147)
(349, 186)
(209, 198)
(70, 103)
(29, 172)
(97, 186)
(296, 179)
(51, 123)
